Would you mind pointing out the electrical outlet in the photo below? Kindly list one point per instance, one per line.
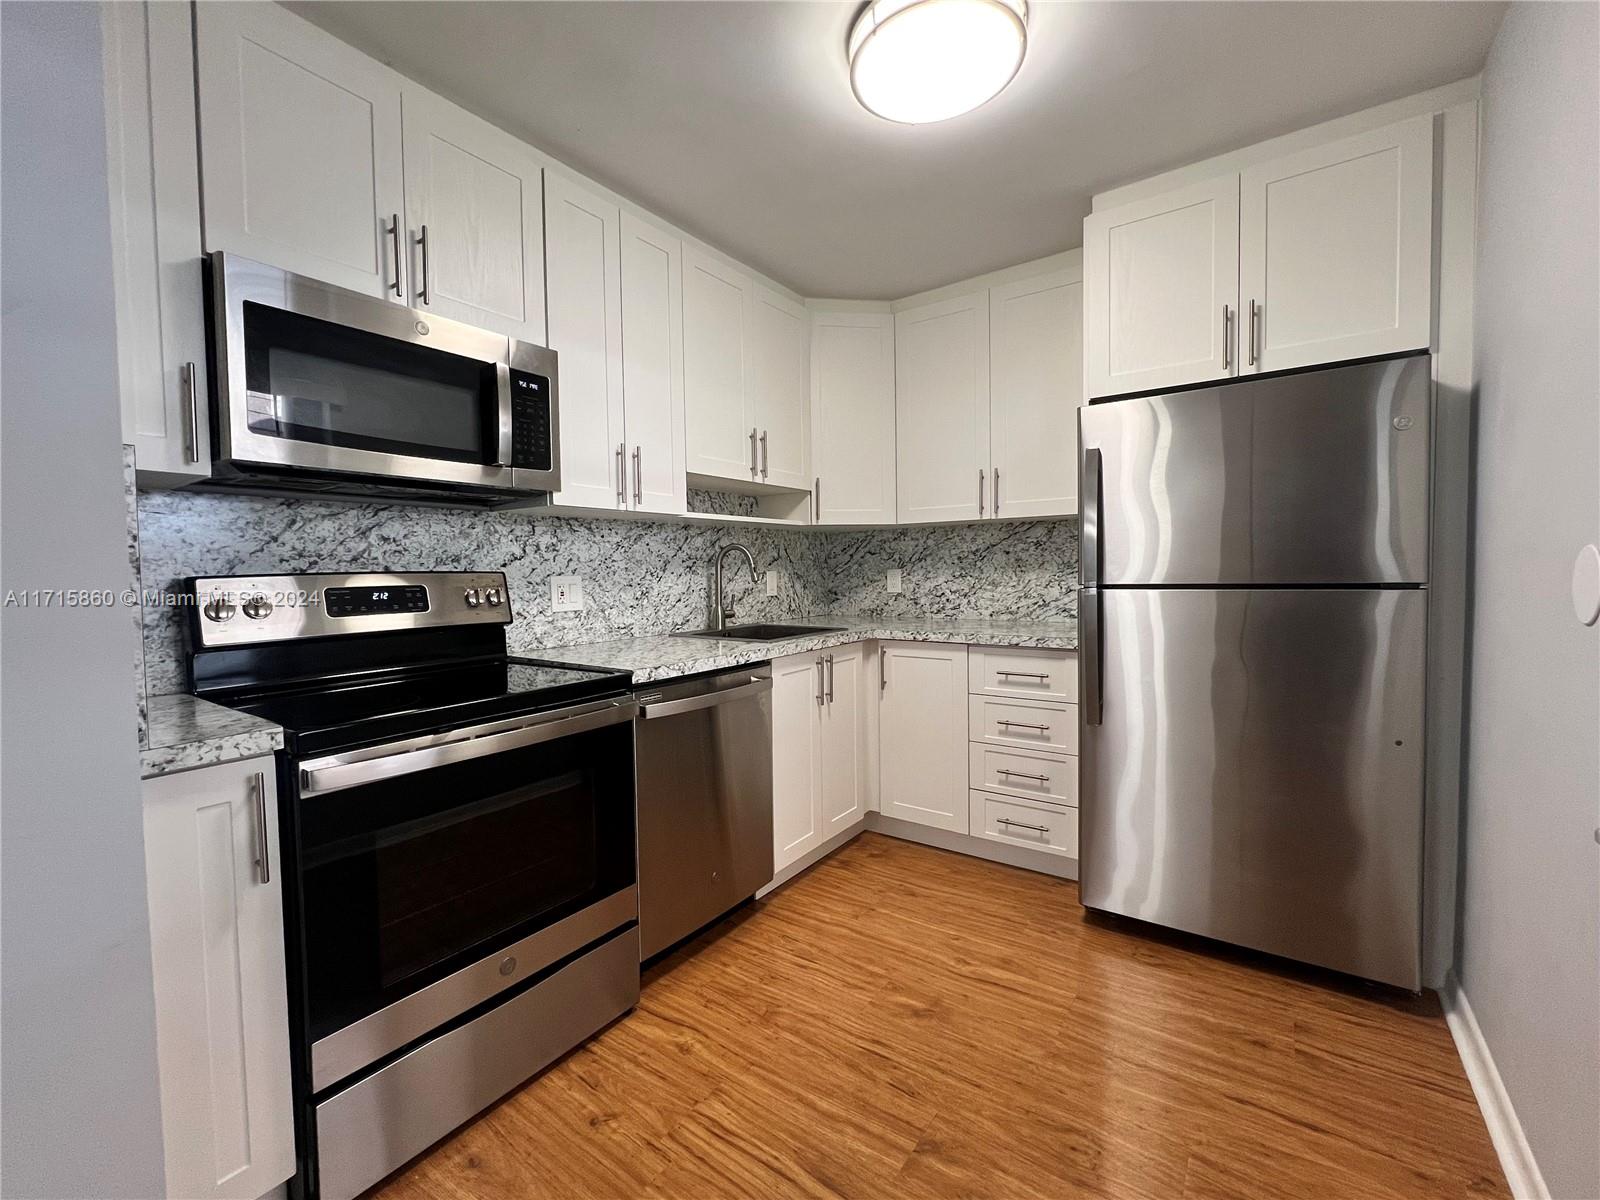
(772, 582)
(894, 580)
(566, 593)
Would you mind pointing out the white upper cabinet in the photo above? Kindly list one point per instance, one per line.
(942, 410)
(1336, 249)
(1161, 286)
(652, 366)
(852, 417)
(717, 300)
(300, 148)
(776, 398)
(474, 230)
(583, 251)
(154, 176)
(1035, 390)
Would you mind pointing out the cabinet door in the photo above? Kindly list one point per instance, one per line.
(852, 418)
(1161, 288)
(154, 173)
(222, 1026)
(941, 356)
(1035, 389)
(475, 190)
(797, 700)
(843, 740)
(1336, 249)
(652, 365)
(583, 253)
(922, 734)
(778, 397)
(299, 147)
(716, 313)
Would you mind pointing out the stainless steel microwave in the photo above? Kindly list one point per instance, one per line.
(325, 390)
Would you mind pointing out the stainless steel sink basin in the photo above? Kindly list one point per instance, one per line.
(761, 633)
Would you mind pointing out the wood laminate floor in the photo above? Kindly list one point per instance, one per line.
(902, 1021)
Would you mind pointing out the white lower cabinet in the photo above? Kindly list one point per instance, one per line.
(217, 950)
(819, 749)
(922, 731)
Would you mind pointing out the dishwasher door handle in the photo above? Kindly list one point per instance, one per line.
(671, 708)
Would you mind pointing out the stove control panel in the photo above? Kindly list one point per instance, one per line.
(246, 609)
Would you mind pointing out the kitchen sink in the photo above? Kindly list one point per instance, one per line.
(761, 633)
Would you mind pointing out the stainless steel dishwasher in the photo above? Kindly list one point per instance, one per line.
(704, 753)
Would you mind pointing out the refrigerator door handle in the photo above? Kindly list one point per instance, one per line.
(1089, 655)
(1089, 520)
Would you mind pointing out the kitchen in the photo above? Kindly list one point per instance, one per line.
(814, 692)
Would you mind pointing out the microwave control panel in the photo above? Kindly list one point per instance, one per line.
(530, 421)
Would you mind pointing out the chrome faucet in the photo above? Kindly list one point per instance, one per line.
(722, 611)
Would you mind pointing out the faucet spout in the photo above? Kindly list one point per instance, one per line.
(721, 610)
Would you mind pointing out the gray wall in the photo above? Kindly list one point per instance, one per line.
(1530, 943)
(78, 1097)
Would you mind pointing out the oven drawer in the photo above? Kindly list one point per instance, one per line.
(1016, 822)
(1032, 674)
(1051, 777)
(1031, 724)
(376, 1125)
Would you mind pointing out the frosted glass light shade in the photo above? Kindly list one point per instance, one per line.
(919, 61)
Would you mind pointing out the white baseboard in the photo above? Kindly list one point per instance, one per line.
(962, 843)
(1505, 1131)
(806, 861)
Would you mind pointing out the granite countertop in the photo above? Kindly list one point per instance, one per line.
(652, 659)
(188, 732)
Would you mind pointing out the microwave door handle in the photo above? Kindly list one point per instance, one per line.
(502, 379)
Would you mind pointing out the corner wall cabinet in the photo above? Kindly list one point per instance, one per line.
(819, 737)
(852, 417)
(217, 952)
(942, 409)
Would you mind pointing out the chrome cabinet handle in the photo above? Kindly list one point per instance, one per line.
(1024, 725)
(263, 854)
(638, 474)
(622, 477)
(819, 683)
(1041, 676)
(752, 450)
(1255, 324)
(980, 492)
(763, 454)
(829, 661)
(424, 293)
(883, 668)
(1021, 775)
(394, 239)
(1227, 338)
(816, 500)
(191, 411)
(997, 491)
(1021, 825)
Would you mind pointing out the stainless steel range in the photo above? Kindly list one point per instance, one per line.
(459, 848)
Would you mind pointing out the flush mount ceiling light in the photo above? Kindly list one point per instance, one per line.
(919, 61)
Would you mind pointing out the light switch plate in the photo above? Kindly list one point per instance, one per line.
(566, 593)
(772, 582)
(894, 579)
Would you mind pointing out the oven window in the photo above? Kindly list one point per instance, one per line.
(408, 879)
(314, 381)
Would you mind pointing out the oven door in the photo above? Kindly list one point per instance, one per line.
(319, 379)
(436, 873)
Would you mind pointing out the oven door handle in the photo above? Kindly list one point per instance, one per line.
(336, 772)
(671, 708)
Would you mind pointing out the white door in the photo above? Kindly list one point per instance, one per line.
(222, 1024)
(474, 220)
(797, 699)
(583, 265)
(154, 174)
(652, 366)
(922, 734)
(843, 747)
(852, 418)
(1161, 288)
(1035, 390)
(1336, 249)
(777, 395)
(941, 356)
(299, 148)
(716, 313)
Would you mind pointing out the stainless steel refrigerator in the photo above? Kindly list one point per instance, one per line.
(1254, 612)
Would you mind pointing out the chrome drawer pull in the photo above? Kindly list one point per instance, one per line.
(1024, 725)
(1022, 825)
(1022, 775)
(1039, 675)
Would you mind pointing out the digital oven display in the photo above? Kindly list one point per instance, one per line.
(366, 601)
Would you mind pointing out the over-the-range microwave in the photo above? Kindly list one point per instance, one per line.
(319, 389)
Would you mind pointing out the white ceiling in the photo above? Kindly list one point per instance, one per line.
(734, 118)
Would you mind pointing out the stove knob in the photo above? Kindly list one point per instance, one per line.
(257, 607)
(471, 597)
(219, 608)
(493, 598)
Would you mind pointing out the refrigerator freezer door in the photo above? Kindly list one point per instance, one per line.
(1257, 775)
(1315, 478)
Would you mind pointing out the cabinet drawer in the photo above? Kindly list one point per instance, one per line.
(1026, 723)
(1024, 823)
(1048, 777)
(1029, 674)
